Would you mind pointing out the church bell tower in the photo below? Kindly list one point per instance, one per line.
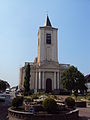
(47, 43)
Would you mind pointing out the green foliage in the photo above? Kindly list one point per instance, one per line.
(70, 102)
(25, 93)
(38, 108)
(50, 105)
(28, 100)
(73, 79)
(2, 85)
(17, 101)
(27, 80)
(53, 96)
(7, 84)
(64, 92)
(35, 96)
(88, 94)
(89, 98)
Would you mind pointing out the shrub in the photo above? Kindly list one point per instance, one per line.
(89, 98)
(28, 100)
(38, 108)
(26, 93)
(88, 94)
(64, 92)
(17, 101)
(70, 102)
(50, 105)
(35, 96)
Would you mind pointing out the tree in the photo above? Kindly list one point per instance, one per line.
(7, 84)
(73, 79)
(2, 85)
(27, 79)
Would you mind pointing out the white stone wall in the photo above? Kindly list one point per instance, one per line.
(54, 46)
(32, 80)
(21, 78)
(47, 52)
(39, 75)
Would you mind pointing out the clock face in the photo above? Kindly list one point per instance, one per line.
(48, 38)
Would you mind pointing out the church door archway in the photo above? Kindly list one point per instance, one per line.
(48, 85)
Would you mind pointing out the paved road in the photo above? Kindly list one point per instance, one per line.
(3, 112)
(4, 108)
(84, 113)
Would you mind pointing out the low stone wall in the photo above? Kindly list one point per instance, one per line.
(73, 115)
(81, 104)
(17, 115)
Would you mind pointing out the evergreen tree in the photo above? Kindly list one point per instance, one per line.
(27, 80)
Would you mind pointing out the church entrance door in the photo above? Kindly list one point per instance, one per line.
(48, 85)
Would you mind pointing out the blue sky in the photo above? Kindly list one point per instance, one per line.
(19, 23)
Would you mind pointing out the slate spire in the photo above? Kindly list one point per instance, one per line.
(47, 22)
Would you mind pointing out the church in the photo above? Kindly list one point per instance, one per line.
(45, 71)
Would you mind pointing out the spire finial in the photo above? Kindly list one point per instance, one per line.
(46, 13)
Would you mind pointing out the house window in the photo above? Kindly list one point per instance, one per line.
(48, 38)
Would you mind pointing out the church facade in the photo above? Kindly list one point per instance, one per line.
(45, 70)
